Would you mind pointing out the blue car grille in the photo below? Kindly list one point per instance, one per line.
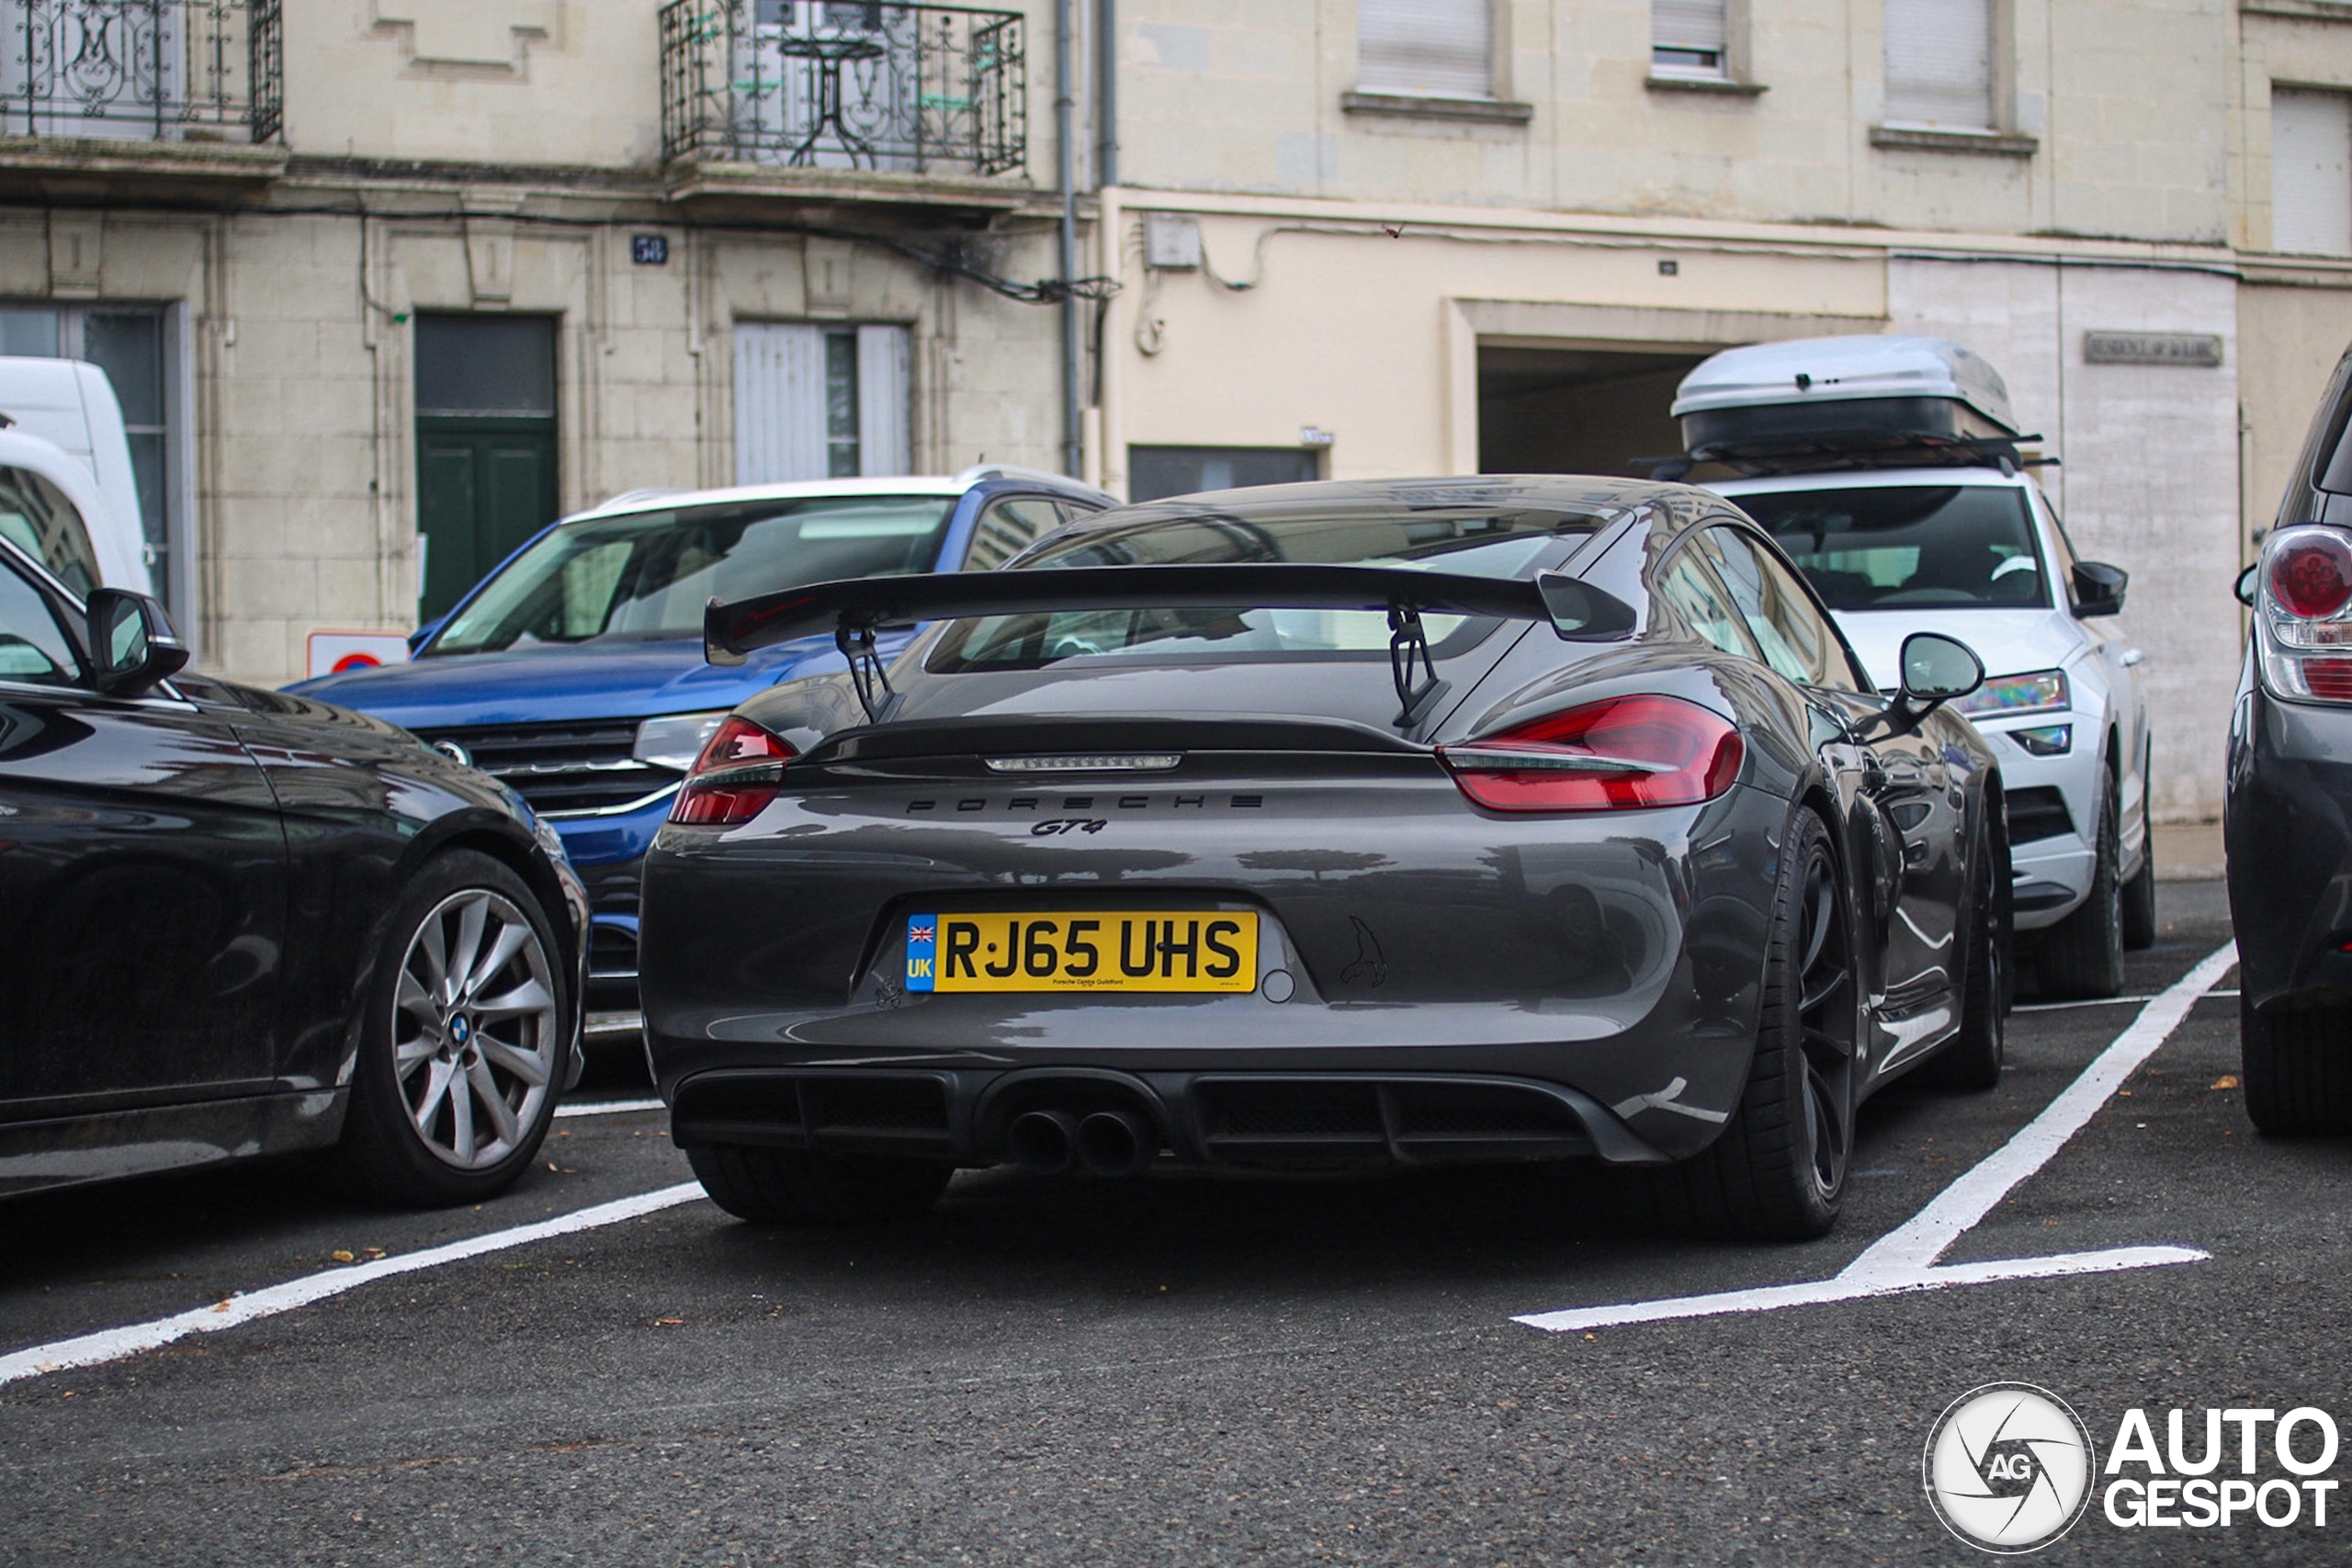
(561, 767)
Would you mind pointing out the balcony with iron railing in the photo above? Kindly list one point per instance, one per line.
(192, 88)
(787, 96)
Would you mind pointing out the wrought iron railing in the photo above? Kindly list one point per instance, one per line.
(144, 70)
(845, 84)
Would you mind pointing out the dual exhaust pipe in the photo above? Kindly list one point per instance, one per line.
(1101, 1143)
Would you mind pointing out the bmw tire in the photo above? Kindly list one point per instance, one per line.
(462, 1044)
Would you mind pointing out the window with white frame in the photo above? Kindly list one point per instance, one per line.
(2311, 171)
(1939, 64)
(817, 402)
(1691, 37)
(1439, 48)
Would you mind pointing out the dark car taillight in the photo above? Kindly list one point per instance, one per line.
(1622, 754)
(2304, 643)
(2311, 574)
(740, 771)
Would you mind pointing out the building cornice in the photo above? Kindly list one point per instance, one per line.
(1435, 219)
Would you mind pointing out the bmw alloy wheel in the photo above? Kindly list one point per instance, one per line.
(475, 1028)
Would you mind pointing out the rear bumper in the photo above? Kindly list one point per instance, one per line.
(2284, 825)
(1235, 1119)
(1609, 967)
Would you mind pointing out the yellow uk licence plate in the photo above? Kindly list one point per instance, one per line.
(1084, 949)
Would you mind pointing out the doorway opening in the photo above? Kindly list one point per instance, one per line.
(1577, 410)
(485, 447)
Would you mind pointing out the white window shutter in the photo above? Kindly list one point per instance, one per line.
(1430, 48)
(1940, 63)
(779, 403)
(1682, 28)
(883, 448)
(2311, 171)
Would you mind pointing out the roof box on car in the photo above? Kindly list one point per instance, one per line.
(1833, 403)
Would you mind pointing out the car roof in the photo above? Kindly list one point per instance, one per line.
(1602, 496)
(657, 499)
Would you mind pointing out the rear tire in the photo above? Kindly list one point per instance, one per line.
(1778, 1171)
(790, 1187)
(2082, 955)
(1971, 1062)
(2297, 1066)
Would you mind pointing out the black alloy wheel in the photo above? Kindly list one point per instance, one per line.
(2082, 955)
(771, 1185)
(1778, 1171)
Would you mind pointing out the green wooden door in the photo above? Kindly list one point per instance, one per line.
(483, 486)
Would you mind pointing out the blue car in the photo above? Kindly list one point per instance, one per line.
(574, 672)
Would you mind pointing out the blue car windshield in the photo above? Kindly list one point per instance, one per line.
(1477, 543)
(647, 575)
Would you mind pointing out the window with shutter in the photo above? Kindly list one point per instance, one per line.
(2311, 171)
(1691, 37)
(1940, 63)
(1442, 49)
(814, 402)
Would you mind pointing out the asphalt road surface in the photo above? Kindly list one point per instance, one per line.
(1183, 1370)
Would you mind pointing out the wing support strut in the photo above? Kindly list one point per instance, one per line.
(865, 672)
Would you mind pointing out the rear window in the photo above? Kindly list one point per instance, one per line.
(1909, 547)
(649, 574)
(1483, 544)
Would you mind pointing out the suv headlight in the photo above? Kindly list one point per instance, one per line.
(675, 741)
(2004, 697)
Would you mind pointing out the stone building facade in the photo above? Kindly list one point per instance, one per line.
(1350, 238)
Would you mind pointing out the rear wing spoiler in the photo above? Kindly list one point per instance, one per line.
(854, 608)
(1576, 610)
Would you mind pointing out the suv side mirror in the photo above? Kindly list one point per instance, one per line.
(2245, 584)
(2098, 589)
(132, 644)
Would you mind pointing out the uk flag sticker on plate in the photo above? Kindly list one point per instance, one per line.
(922, 947)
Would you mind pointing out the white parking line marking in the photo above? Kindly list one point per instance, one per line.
(113, 1344)
(1905, 1259)
(608, 1107)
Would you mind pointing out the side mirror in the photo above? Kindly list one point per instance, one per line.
(1937, 668)
(2098, 589)
(132, 644)
(2246, 580)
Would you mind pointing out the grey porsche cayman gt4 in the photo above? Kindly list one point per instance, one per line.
(1495, 819)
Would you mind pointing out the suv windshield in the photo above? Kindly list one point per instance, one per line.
(1484, 543)
(649, 574)
(1909, 547)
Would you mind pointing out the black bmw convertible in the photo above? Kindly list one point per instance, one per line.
(1465, 819)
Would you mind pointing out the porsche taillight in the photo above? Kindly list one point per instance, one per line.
(1620, 754)
(740, 771)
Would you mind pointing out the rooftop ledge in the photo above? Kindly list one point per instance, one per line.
(1492, 111)
(714, 179)
(1920, 138)
(105, 157)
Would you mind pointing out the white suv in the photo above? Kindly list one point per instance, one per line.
(1976, 553)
